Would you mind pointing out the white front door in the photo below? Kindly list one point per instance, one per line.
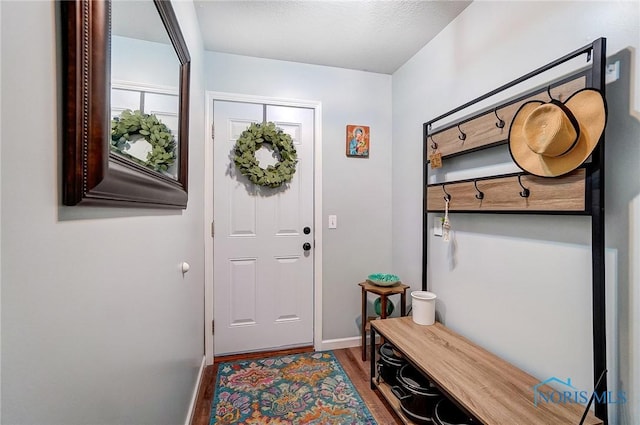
(262, 277)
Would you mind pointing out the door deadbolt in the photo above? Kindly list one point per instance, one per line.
(306, 230)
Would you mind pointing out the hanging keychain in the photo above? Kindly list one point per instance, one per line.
(446, 225)
(435, 158)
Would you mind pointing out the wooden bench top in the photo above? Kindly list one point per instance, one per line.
(493, 390)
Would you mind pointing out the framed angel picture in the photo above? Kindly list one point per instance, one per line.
(357, 141)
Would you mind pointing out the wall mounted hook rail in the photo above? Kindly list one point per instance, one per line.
(584, 195)
(462, 135)
(525, 192)
(480, 194)
(447, 196)
(500, 123)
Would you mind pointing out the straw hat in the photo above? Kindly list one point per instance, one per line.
(553, 138)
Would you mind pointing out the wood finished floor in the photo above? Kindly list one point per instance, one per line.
(350, 360)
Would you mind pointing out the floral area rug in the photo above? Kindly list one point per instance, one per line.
(298, 389)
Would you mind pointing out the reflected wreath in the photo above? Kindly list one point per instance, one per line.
(131, 125)
(252, 139)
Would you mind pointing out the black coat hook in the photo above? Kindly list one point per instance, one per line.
(480, 194)
(462, 135)
(500, 123)
(447, 196)
(434, 145)
(525, 192)
(549, 92)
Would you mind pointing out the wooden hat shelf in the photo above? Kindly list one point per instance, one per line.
(511, 193)
(491, 127)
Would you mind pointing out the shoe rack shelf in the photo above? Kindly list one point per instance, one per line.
(483, 385)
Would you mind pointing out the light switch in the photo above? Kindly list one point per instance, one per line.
(333, 221)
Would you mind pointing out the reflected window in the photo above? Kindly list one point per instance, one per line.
(144, 77)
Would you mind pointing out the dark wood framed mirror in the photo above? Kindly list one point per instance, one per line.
(93, 174)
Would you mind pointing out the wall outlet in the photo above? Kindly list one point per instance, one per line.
(612, 72)
(437, 226)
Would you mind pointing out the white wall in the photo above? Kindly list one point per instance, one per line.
(98, 324)
(357, 190)
(521, 284)
(0, 219)
(131, 58)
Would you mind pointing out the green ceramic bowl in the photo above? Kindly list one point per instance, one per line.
(383, 279)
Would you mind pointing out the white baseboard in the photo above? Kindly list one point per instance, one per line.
(194, 394)
(337, 344)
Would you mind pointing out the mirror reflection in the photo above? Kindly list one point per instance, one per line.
(144, 88)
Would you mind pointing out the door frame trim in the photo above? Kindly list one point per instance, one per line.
(210, 97)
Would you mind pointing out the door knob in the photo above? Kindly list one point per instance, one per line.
(306, 246)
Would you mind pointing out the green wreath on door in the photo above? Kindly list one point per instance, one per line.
(252, 139)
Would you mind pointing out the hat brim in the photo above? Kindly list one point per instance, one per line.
(589, 108)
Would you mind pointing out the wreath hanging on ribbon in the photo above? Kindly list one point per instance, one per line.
(131, 126)
(253, 139)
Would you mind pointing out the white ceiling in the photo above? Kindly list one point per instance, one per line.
(371, 35)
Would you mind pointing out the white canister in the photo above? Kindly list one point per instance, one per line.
(423, 305)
